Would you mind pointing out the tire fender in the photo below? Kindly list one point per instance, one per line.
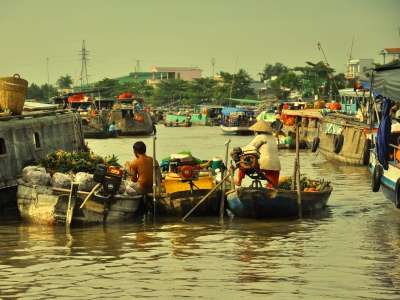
(338, 143)
(367, 151)
(397, 194)
(376, 178)
(315, 144)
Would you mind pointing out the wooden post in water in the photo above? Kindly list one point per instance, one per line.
(71, 203)
(297, 168)
(154, 177)
(222, 201)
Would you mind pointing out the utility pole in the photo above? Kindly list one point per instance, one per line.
(84, 58)
(212, 67)
(137, 68)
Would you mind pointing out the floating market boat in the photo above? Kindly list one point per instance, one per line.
(44, 205)
(28, 135)
(384, 161)
(185, 182)
(175, 120)
(182, 195)
(62, 190)
(260, 202)
(237, 121)
(130, 116)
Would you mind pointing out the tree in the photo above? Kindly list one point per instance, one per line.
(41, 93)
(65, 82)
(235, 85)
(170, 91)
(110, 87)
(34, 92)
(201, 90)
(273, 70)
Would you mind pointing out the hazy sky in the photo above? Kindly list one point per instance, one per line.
(188, 33)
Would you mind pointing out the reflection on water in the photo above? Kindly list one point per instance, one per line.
(349, 252)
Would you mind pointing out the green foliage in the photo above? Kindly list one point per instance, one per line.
(62, 161)
(41, 93)
(170, 91)
(235, 85)
(277, 69)
(65, 82)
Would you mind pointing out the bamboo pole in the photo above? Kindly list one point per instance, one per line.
(297, 169)
(154, 177)
(222, 201)
(206, 196)
(71, 203)
(90, 194)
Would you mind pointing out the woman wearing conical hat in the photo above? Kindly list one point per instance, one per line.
(265, 143)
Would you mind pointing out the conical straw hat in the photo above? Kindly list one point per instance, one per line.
(261, 126)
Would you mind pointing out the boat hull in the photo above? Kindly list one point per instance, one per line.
(41, 206)
(388, 180)
(178, 204)
(270, 203)
(236, 130)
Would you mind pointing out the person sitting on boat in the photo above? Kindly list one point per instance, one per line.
(113, 130)
(269, 163)
(140, 170)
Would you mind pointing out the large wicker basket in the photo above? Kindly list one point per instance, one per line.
(13, 94)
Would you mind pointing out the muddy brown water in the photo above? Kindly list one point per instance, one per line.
(350, 251)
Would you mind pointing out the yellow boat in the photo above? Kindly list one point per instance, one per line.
(180, 195)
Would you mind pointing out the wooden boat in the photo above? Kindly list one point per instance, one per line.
(43, 205)
(180, 196)
(251, 202)
(236, 130)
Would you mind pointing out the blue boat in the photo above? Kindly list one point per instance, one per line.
(249, 202)
(384, 164)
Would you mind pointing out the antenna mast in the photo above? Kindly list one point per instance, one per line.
(330, 76)
(84, 53)
(212, 67)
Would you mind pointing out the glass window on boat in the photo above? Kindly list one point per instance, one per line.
(36, 140)
(3, 148)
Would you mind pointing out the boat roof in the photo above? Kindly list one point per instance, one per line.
(307, 113)
(34, 106)
(354, 93)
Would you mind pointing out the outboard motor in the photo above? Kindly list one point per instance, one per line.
(109, 177)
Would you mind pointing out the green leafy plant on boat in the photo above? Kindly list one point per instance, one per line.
(64, 162)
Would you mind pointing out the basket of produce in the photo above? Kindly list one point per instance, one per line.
(13, 94)
(306, 184)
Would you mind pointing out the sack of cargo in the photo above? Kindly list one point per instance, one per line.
(36, 175)
(61, 180)
(85, 180)
(13, 94)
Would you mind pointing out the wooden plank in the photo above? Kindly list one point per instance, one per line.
(71, 203)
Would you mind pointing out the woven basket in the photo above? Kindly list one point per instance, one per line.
(13, 94)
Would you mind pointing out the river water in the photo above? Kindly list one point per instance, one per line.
(351, 251)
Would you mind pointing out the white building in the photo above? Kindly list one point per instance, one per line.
(355, 67)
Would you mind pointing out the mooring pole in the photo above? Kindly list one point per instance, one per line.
(154, 177)
(223, 188)
(297, 168)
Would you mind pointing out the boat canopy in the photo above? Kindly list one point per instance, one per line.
(386, 81)
(226, 111)
(248, 101)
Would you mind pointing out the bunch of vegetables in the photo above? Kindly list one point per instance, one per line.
(64, 162)
(306, 184)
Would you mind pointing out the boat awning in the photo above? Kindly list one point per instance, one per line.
(226, 111)
(386, 81)
(247, 101)
(305, 113)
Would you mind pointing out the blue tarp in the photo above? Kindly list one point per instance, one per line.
(382, 138)
(226, 111)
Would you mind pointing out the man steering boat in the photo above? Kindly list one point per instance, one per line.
(264, 147)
